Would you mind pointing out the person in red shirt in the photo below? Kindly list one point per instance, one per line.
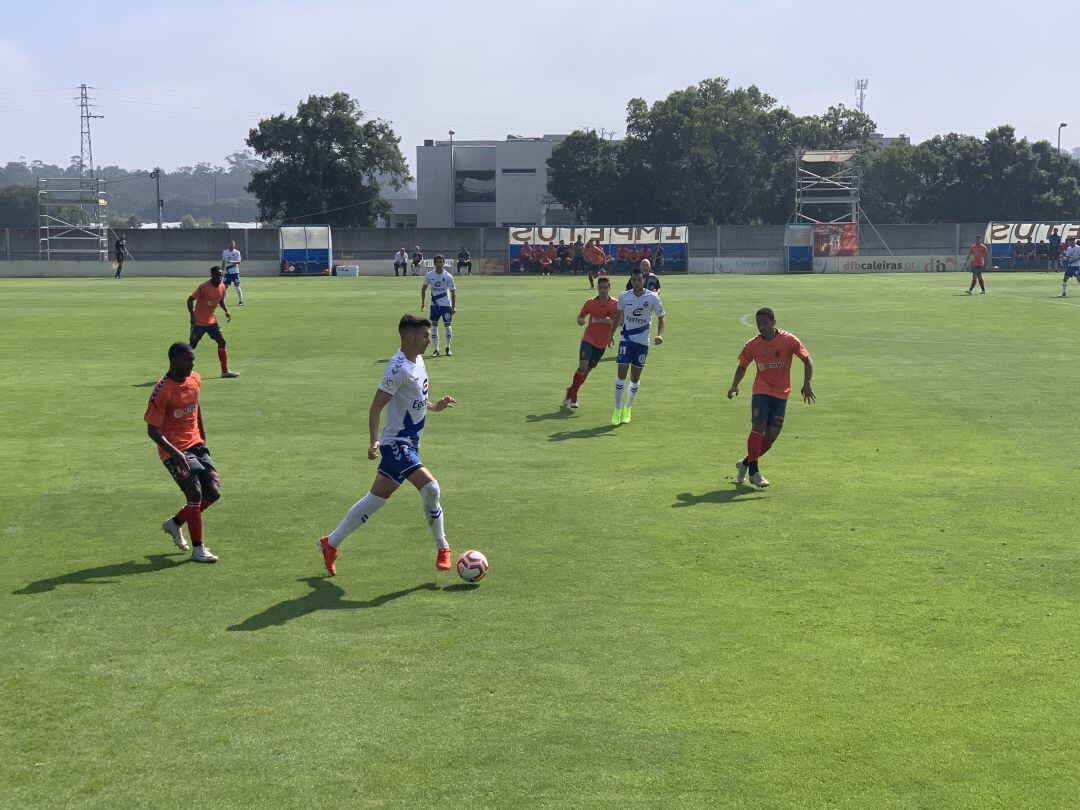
(174, 422)
(599, 314)
(201, 304)
(771, 352)
(596, 259)
(544, 262)
(633, 256)
(622, 256)
(526, 257)
(976, 258)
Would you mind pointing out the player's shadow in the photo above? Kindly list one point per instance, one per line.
(150, 384)
(105, 574)
(587, 433)
(562, 413)
(382, 362)
(736, 494)
(324, 595)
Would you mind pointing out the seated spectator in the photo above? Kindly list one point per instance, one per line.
(401, 261)
(1018, 254)
(545, 264)
(622, 256)
(562, 257)
(464, 259)
(526, 257)
(577, 256)
(1030, 254)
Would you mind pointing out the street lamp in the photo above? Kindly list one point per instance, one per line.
(1062, 124)
(452, 136)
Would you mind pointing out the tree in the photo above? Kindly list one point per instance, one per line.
(188, 221)
(18, 206)
(323, 162)
(582, 172)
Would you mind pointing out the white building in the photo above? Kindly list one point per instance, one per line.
(485, 183)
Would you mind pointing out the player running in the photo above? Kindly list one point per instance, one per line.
(201, 304)
(636, 308)
(443, 302)
(976, 259)
(771, 351)
(1072, 265)
(174, 421)
(600, 314)
(403, 392)
(230, 260)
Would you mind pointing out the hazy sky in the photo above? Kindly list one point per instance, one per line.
(183, 82)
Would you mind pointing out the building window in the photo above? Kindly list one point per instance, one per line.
(474, 187)
(519, 171)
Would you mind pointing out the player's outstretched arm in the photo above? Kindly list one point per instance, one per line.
(808, 373)
(378, 402)
(733, 391)
(442, 404)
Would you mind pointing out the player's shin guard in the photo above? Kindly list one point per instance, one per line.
(631, 393)
(753, 446)
(575, 386)
(357, 516)
(193, 517)
(434, 514)
(449, 334)
(619, 385)
(766, 443)
(239, 294)
(435, 335)
(223, 359)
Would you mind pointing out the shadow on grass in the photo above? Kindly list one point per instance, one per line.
(325, 595)
(562, 413)
(105, 574)
(735, 494)
(587, 433)
(462, 586)
(382, 362)
(150, 384)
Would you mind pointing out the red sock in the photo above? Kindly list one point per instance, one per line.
(766, 443)
(193, 517)
(753, 445)
(579, 378)
(204, 505)
(223, 358)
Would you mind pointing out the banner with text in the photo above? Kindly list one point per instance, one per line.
(1025, 245)
(624, 246)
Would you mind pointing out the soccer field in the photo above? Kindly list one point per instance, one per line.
(893, 623)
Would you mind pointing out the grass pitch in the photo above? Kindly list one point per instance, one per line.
(892, 624)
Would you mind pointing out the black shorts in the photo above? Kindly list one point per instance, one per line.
(198, 330)
(977, 269)
(590, 354)
(768, 409)
(119, 258)
(202, 470)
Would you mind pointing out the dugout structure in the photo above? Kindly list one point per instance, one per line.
(1002, 239)
(305, 250)
(73, 218)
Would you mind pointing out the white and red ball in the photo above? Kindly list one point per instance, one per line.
(471, 566)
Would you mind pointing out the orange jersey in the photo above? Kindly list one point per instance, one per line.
(207, 297)
(526, 251)
(595, 255)
(773, 361)
(622, 253)
(978, 255)
(173, 409)
(598, 333)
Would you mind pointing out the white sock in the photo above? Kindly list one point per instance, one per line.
(435, 336)
(449, 334)
(1064, 284)
(618, 393)
(434, 514)
(356, 517)
(239, 294)
(631, 394)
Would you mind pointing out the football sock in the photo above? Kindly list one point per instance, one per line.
(631, 394)
(1064, 285)
(766, 443)
(435, 336)
(223, 358)
(575, 386)
(449, 334)
(193, 517)
(619, 384)
(356, 517)
(434, 514)
(239, 293)
(753, 446)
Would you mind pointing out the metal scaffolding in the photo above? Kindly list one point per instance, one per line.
(73, 218)
(831, 186)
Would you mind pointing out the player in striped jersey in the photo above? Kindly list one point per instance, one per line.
(634, 313)
(443, 302)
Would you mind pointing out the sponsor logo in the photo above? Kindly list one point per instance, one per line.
(425, 386)
(763, 366)
(181, 412)
(389, 382)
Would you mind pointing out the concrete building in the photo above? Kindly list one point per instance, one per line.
(486, 183)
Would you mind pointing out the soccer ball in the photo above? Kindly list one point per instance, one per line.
(471, 566)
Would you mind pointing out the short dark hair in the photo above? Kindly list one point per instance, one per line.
(766, 311)
(637, 272)
(215, 269)
(178, 349)
(603, 279)
(408, 322)
(438, 257)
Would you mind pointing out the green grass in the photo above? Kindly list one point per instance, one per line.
(893, 623)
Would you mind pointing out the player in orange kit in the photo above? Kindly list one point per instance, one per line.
(201, 304)
(174, 422)
(976, 259)
(599, 313)
(771, 352)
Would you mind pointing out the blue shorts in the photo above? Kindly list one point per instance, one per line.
(768, 409)
(590, 354)
(437, 313)
(399, 461)
(232, 277)
(633, 354)
(201, 468)
(1072, 271)
(198, 330)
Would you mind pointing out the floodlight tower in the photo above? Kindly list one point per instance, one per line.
(860, 92)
